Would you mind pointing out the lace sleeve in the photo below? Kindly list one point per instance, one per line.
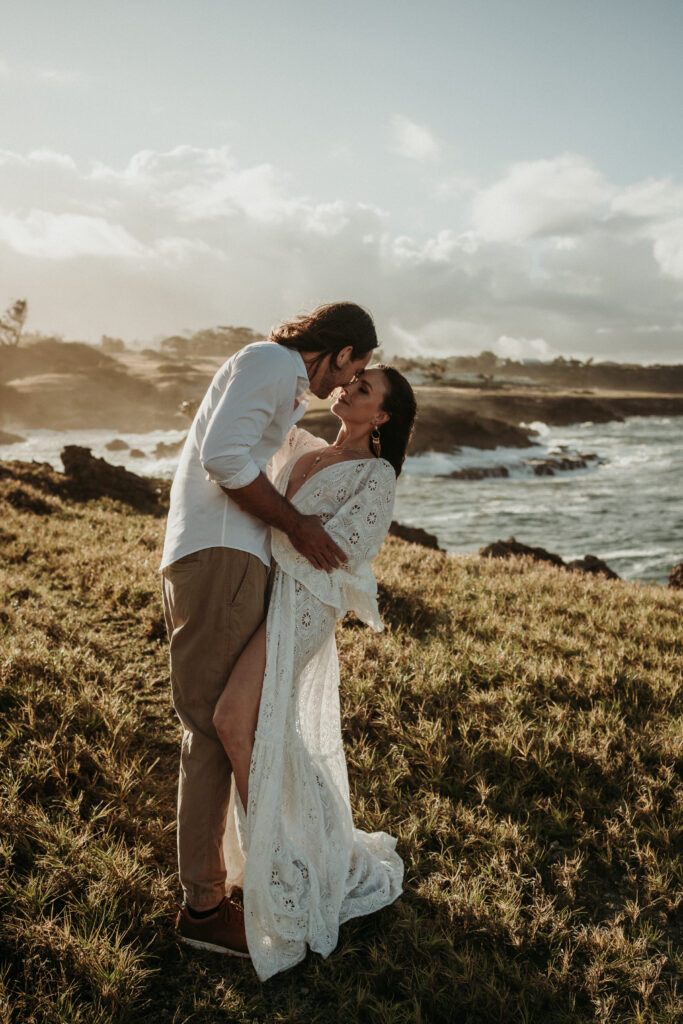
(360, 524)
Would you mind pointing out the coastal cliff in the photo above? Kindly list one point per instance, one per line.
(61, 386)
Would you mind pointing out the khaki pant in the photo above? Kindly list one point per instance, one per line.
(214, 600)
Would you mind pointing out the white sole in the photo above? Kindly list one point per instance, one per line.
(212, 948)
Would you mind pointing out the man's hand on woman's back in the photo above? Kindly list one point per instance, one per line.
(307, 533)
(311, 539)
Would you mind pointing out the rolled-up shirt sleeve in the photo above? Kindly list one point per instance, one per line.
(257, 387)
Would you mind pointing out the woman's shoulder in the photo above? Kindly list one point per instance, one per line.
(375, 478)
(377, 468)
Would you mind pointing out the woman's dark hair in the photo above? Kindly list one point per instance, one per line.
(399, 402)
(328, 330)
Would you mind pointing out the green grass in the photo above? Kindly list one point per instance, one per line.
(517, 727)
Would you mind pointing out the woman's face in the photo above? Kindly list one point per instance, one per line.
(360, 402)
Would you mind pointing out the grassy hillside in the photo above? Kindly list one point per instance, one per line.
(516, 726)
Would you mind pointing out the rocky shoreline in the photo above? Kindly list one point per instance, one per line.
(60, 386)
(86, 477)
(450, 418)
(556, 408)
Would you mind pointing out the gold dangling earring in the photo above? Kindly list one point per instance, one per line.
(375, 441)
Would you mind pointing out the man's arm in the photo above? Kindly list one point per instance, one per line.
(307, 533)
(257, 385)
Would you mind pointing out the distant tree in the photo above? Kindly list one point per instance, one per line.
(110, 346)
(223, 339)
(211, 341)
(176, 345)
(487, 362)
(12, 323)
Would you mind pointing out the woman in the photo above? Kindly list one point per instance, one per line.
(308, 869)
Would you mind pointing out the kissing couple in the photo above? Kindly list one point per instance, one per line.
(269, 539)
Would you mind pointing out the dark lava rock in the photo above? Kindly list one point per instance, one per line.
(477, 473)
(189, 408)
(165, 450)
(549, 466)
(594, 566)
(676, 577)
(440, 427)
(90, 477)
(506, 548)
(117, 445)
(414, 535)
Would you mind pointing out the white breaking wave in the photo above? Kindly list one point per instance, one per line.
(46, 446)
(518, 462)
(624, 507)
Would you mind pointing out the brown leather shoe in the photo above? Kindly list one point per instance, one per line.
(222, 932)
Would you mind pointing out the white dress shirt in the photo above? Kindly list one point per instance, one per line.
(242, 421)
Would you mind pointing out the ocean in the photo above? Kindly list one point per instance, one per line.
(625, 506)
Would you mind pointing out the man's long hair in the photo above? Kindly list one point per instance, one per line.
(327, 330)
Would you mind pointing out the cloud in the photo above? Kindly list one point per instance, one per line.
(651, 199)
(653, 210)
(60, 76)
(454, 187)
(412, 140)
(539, 198)
(668, 247)
(202, 184)
(523, 348)
(29, 74)
(50, 156)
(65, 236)
(569, 264)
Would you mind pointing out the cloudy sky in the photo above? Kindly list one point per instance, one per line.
(500, 174)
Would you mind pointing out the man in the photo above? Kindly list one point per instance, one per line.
(215, 565)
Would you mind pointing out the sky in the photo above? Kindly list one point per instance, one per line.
(501, 174)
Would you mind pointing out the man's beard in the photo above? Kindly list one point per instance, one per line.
(327, 383)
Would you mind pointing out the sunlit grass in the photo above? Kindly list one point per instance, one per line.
(517, 727)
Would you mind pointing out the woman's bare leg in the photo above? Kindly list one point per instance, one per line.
(236, 714)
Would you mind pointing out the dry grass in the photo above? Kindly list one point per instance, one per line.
(517, 727)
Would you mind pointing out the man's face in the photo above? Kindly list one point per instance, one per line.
(332, 377)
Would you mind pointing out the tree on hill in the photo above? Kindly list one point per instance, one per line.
(12, 323)
(176, 345)
(112, 345)
(210, 342)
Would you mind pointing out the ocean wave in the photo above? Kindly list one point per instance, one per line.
(501, 462)
(623, 507)
(46, 446)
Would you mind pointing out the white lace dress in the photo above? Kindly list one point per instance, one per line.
(303, 866)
